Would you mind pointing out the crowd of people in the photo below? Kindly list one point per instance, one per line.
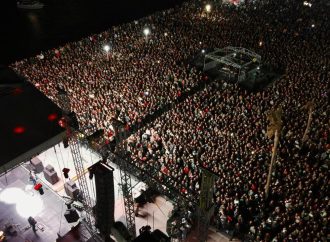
(222, 127)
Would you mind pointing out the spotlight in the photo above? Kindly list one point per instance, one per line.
(146, 31)
(91, 175)
(308, 4)
(208, 8)
(106, 48)
(66, 142)
(66, 172)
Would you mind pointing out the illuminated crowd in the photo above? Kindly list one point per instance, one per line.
(221, 127)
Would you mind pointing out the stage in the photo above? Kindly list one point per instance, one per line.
(51, 213)
(18, 200)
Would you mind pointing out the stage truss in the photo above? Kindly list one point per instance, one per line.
(234, 62)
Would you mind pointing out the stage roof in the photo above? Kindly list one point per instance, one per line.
(28, 120)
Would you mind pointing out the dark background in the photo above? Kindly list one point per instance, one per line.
(22, 105)
(25, 33)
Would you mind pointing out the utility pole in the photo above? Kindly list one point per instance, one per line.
(206, 205)
(273, 130)
(310, 106)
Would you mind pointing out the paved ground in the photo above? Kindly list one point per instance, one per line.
(18, 201)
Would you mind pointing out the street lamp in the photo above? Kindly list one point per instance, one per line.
(208, 8)
(146, 32)
(107, 48)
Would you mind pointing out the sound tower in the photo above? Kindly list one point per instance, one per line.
(104, 208)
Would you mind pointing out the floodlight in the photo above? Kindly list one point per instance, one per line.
(208, 8)
(146, 31)
(106, 48)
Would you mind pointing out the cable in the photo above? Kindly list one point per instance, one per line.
(58, 163)
(61, 214)
(67, 161)
(160, 208)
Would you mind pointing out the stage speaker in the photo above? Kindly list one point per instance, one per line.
(104, 208)
(160, 236)
(71, 215)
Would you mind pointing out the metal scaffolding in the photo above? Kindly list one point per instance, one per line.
(81, 178)
(125, 178)
(128, 201)
(72, 135)
(234, 61)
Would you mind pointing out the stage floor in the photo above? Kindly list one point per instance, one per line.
(18, 201)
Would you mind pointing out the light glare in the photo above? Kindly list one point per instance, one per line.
(27, 203)
(208, 8)
(106, 48)
(146, 31)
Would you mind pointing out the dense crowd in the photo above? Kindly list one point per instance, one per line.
(222, 127)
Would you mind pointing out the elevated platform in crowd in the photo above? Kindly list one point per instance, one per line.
(237, 65)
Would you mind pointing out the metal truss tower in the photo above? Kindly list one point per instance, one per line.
(81, 178)
(72, 136)
(128, 201)
(125, 178)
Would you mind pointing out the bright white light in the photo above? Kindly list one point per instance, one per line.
(208, 8)
(27, 204)
(203, 51)
(106, 48)
(11, 195)
(260, 43)
(146, 31)
(308, 4)
(200, 43)
(313, 25)
(165, 34)
(258, 67)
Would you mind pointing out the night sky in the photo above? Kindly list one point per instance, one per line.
(25, 33)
